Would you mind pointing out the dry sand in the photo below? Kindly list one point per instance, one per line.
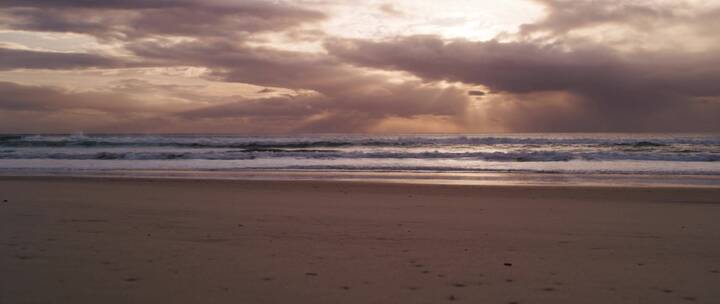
(84, 240)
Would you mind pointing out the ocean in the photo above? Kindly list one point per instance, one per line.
(552, 158)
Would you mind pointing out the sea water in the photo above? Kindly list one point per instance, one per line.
(675, 157)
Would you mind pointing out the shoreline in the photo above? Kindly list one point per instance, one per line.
(393, 177)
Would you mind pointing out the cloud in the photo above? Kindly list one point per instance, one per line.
(18, 97)
(124, 20)
(390, 10)
(618, 91)
(564, 16)
(265, 91)
(290, 106)
(634, 24)
(338, 89)
(587, 66)
(28, 59)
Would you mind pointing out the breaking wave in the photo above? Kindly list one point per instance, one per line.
(215, 141)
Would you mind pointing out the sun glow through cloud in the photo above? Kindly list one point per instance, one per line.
(375, 66)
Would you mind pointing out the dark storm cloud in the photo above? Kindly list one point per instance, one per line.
(117, 4)
(279, 106)
(339, 89)
(522, 67)
(25, 59)
(240, 63)
(618, 88)
(564, 83)
(17, 97)
(138, 19)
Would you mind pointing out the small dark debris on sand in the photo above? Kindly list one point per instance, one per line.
(241, 225)
(452, 298)
(507, 264)
(267, 279)
(509, 280)
(714, 271)
(426, 271)
(5, 201)
(413, 288)
(667, 290)
(24, 257)
(345, 287)
(132, 279)
(692, 299)
(549, 289)
(311, 274)
(459, 285)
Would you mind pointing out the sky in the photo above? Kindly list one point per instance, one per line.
(341, 66)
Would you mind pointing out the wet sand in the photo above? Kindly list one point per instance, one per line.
(86, 240)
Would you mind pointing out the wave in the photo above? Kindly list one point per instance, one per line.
(445, 169)
(240, 142)
(518, 156)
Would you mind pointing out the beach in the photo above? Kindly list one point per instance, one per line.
(150, 240)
